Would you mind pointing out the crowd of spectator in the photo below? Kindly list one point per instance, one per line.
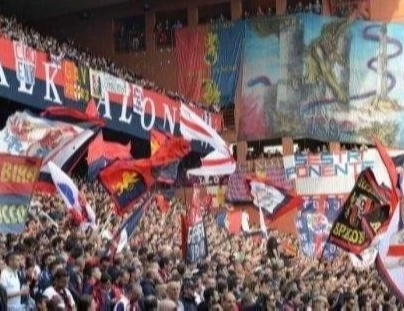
(55, 266)
(10, 28)
(315, 8)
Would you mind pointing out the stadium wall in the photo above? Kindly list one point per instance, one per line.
(95, 31)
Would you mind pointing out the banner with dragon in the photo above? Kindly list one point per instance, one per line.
(324, 78)
(209, 61)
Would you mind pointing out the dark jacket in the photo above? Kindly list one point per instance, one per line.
(189, 304)
(148, 287)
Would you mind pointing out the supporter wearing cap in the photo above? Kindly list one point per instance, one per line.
(10, 281)
(59, 292)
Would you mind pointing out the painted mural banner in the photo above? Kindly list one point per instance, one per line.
(324, 78)
(209, 61)
(29, 77)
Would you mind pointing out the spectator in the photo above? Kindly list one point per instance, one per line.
(59, 292)
(11, 283)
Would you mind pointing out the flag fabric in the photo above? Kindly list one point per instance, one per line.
(365, 260)
(263, 226)
(157, 139)
(194, 236)
(215, 164)
(101, 153)
(238, 190)
(126, 181)
(60, 142)
(17, 182)
(166, 157)
(274, 201)
(391, 268)
(396, 247)
(208, 59)
(365, 214)
(72, 115)
(193, 127)
(162, 203)
(127, 229)
(75, 202)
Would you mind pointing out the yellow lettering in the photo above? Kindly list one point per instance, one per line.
(21, 174)
(6, 172)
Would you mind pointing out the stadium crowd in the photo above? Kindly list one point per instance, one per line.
(11, 29)
(53, 265)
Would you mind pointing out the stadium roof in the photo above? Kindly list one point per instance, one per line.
(42, 9)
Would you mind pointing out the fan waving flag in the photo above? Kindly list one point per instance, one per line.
(364, 214)
(215, 164)
(101, 153)
(126, 181)
(273, 201)
(76, 204)
(128, 228)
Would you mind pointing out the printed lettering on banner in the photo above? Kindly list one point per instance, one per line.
(70, 74)
(345, 163)
(96, 84)
(197, 248)
(25, 63)
(138, 106)
(114, 85)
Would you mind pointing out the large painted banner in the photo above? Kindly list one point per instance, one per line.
(323, 78)
(209, 61)
(32, 78)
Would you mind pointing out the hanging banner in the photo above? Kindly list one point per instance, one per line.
(321, 77)
(18, 176)
(209, 61)
(29, 77)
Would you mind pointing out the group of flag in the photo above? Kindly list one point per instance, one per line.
(370, 219)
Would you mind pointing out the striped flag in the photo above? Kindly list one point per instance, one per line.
(128, 228)
(193, 127)
(74, 200)
(215, 163)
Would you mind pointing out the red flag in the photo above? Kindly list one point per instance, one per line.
(91, 109)
(157, 139)
(111, 151)
(71, 114)
(127, 181)
(174, 149)
(162, 203)
(101, 153)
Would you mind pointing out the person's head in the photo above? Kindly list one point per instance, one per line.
(123, 277)
(133, 292)
(173, 291)
(96, 273)
(187, 290)
(86, 303)
(161, 291)
(150, 303)
(61, 279)
(167, 305)
(54, 266)
(12, 261)
(211, 296)
(229, 302)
